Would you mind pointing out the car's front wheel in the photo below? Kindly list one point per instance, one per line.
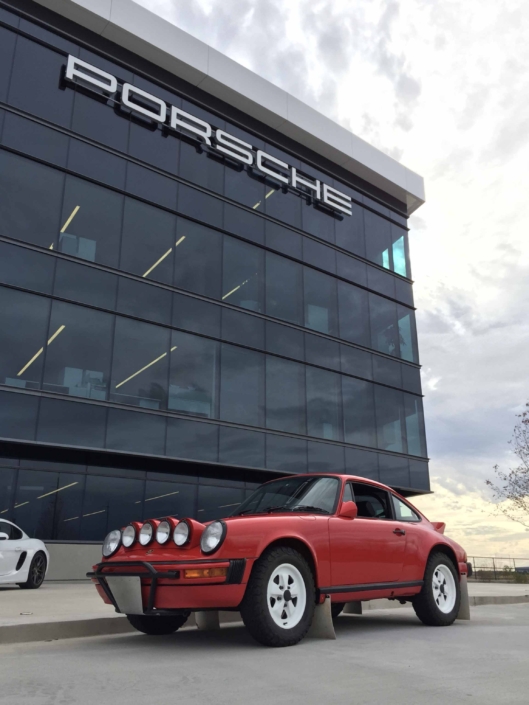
(37, 573)
(157, 626)
(437, 605)
(279, 602)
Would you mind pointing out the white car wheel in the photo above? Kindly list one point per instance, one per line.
(444, 589)
(286, 596)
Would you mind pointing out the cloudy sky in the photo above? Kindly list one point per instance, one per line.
(443, 87)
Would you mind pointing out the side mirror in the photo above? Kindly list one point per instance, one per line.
(348, 510)
(3, 537)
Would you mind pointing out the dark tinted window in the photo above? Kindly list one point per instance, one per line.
(372, 502)
(320, 302)
(285, 395)
(198, 259)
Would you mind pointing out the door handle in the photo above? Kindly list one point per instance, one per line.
(399, 532)
(18, 549)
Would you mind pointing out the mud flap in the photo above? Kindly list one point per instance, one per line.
(322, 626)
(464, 607)
(353, 608)
(207, 621)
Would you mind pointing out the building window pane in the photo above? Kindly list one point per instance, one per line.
(198, 259)
(354, 314)
(68, 507)
(324, 457)
(35, 498)
(242, 275)
(149, 241)
(320, 302)
(390, 427)
(144, 301)
(140, 364)
(30, 200)
(407, 334)
(215, 502)
(242, 386)
(240, 447)
(7, 487)
(286, 454)
(399, 254)
(18, 415)
(193, 440)
(24, 324)
(384, 330)
(87, 285)
(415, 425)
(359, 412)
(78, 351)
(109, 503)
(90, 225)
(135, 432)
(284, 297)
(71, 423)
(168, 499)
(193, 375)
(285, 395)
(324, 419)
(378, 239)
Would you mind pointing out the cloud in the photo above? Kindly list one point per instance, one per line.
(442, 87)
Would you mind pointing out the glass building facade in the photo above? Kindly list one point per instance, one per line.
(174, 326)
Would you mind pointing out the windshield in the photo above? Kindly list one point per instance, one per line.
(302, 494)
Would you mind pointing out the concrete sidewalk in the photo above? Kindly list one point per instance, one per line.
(60, 610)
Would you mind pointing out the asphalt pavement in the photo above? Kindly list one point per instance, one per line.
(384, 656)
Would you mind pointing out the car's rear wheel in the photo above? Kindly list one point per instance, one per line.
(437, 605)
(157, 626)
(37, 573)
(279, 602)
(337, 609)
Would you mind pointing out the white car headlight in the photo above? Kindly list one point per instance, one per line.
(163, 532)
(213, 536)
(182, 533)
(146, 533)
(111, 543)
(129, 536)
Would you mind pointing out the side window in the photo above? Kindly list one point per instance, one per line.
(348, 493)
(5, 528)
(372, 503)
(403, 512)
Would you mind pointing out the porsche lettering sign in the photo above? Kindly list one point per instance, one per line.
(150, 106)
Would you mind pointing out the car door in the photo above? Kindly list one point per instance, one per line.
(10, 548)
(369, 549)
(410, 522)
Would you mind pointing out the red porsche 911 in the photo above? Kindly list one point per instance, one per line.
(294, 544)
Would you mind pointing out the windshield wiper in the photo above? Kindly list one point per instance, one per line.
(268, 510)
(308, 508)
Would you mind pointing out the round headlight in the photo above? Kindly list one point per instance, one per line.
(129, 536)
(163, 532)
(181, 533)
(111, 543)
(212, 537)
(146, 533)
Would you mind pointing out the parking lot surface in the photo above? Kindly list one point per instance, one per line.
(386, 656)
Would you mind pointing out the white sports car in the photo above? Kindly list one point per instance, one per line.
(22, 560)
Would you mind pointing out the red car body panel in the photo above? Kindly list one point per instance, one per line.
(369, 558)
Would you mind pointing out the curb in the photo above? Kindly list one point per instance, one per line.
(109, 626)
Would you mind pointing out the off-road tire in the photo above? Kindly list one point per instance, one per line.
(424, 603)
(337, 609)
(157, 626)
(37, 572)
(254, 607)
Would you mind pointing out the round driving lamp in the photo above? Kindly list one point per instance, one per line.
(163, 532)
(181, 534)
(111, 543)
(146, 534)
(128, 536)
(213, 536)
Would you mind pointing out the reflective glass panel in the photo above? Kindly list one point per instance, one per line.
(285, 395)
(320, 302)
(242, 275)
(193, 375)
(242, 386)
(323, 404)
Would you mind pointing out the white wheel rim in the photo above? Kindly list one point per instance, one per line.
(286, 596)
(444, 588)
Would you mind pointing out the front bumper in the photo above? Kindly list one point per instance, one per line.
(163, 590)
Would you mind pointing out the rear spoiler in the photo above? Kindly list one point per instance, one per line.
(439, 526)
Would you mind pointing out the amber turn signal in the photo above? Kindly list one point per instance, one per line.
(206, 573)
